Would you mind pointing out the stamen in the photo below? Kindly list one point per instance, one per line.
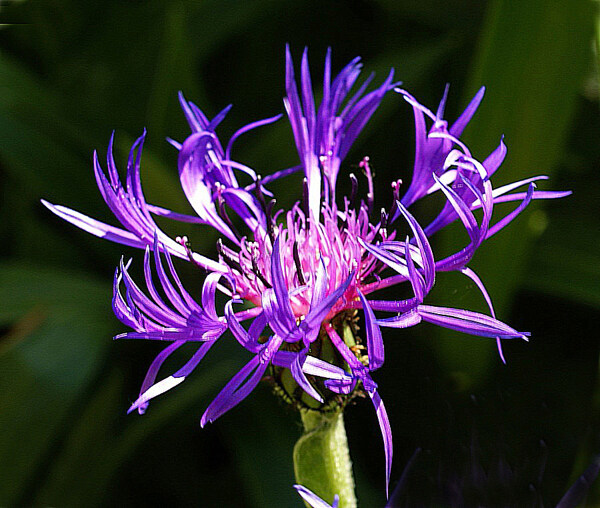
(257, 272)
(396, 197)
(344, 225)
(259, 195)
(270, 219)
(298, 264)
(227, 252)
(396, 189)
(354, 190)
(364, 164)
(185, 243)
(305, 208)
(383, 224)
(232, 259)
(223, 214)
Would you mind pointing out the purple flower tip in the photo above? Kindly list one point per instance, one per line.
(313, 500)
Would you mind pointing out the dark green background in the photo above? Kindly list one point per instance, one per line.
(71, 72)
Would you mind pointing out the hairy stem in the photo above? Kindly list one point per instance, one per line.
(322, 458)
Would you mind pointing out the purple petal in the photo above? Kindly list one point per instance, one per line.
(95, 227)
(374, 340)
(119, 306)
(242, 383)
(517, 196)
(275, 318)
(416, 280)
(341, 386)
(170, 291)
(195, 123)
(243, 337)
(308, 101)
(313, 500)
(246, 206)
(246, 128)
(386, 433)
(162, 315)
(191, 174)
(420, 176)
(169, 214)
(187, 334)
(257, 326)
(149, 281)
(475, 278)
(280, 289)
(316, 315)
(320, 284)
(297, 373)
(361, 113)
(394, 305)
(190, 303)
(495, 159)
(406, 320)
(349, 357)
(316, 367)
(209, 290)
(512, 215)
(276, 175)
(193, 362)
(499, 191)
(442, 106)
(153, 371)
(466, 321)
(214, 123)
(284, 358)
(395, 262)
(357, 95)
(154, 391)
(462, 121)
(424, 246)
(238, 388)
(461, 209)
(172, 381)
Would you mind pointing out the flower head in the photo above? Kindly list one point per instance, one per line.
(298, 281)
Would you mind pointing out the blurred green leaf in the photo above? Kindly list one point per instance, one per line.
(533, 58)
(100, 444)
(46, 155)
(57, 331)
(597, 45)
(35, 141)
(569, 269)
(40, 143)
(262, 434)
(427, 11)
(533, 80)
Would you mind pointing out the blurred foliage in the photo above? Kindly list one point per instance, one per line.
(531, 100)
(71, 72)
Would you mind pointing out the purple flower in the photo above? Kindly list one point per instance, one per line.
(297, 281)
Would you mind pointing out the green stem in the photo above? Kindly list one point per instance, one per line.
(322, 458)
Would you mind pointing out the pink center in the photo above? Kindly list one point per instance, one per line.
(302, 245)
